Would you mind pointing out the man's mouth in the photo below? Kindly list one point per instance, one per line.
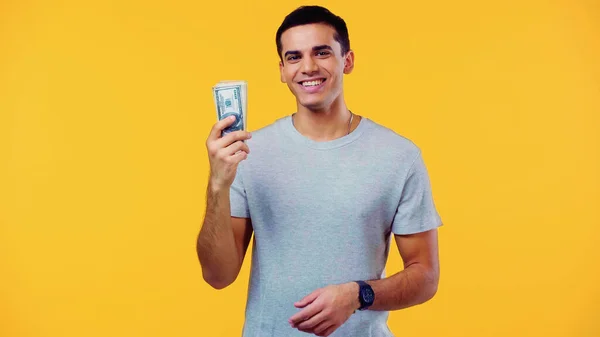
(312, 83)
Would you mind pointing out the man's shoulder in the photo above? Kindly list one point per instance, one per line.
(262, 142)
(384, 136)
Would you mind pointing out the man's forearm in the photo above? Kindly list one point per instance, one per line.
(216, 247)
(414, 285)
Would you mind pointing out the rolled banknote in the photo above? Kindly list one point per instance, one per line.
(231, 99)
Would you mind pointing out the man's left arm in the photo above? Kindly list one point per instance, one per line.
(418, 281)
(326, 309)
(415, 227)
(415, 231)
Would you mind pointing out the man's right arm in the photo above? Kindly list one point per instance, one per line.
(223, 239)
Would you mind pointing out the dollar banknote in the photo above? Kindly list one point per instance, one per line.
(231, 99)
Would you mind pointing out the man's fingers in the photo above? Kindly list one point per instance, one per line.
(235, 147)
(238, 157)
(232, 137)
(312, 322)
(306, 313)
(320, 329)
(215, 132)
(219, 145)
(329, 331)
(308, 299)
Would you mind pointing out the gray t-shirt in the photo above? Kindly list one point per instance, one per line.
(323, 213)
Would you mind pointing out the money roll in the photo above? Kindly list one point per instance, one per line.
(230, 98)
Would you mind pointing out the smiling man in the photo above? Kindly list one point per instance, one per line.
(324, 191)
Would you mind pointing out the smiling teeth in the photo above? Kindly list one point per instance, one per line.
(312, 83)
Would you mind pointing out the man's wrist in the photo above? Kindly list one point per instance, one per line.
(365, 294)
(216, 187)
(353, 289)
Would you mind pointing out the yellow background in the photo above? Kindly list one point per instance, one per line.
(105, 107)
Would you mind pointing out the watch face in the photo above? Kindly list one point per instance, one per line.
(368, 295)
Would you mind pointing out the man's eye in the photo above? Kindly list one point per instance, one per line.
(291, 58)
(323, 53)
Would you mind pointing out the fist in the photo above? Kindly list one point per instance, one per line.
(225, 152)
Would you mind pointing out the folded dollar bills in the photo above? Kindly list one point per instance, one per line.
(231, 99)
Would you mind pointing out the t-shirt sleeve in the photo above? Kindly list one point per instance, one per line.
(416, 210)
(238, 197)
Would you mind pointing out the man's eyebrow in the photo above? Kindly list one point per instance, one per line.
(321, 47)
(315, 48)
(291, 52)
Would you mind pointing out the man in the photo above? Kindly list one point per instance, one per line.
(323, 190)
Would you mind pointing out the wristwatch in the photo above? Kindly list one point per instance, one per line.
(366, 295)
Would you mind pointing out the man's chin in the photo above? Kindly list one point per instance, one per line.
(313, 105)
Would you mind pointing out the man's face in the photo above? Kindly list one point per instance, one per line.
(313, 65)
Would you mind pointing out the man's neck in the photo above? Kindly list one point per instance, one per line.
(323, 124)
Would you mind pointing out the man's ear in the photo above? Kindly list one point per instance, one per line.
(281, 72)
(349, 62)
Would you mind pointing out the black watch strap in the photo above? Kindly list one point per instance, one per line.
(366, 295)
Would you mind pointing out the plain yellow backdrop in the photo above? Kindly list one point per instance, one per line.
(105, 107)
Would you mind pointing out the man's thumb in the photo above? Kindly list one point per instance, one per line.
(308, 299)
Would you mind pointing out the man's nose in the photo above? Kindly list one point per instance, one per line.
(309, 65)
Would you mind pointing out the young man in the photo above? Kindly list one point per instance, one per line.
(323, 190)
